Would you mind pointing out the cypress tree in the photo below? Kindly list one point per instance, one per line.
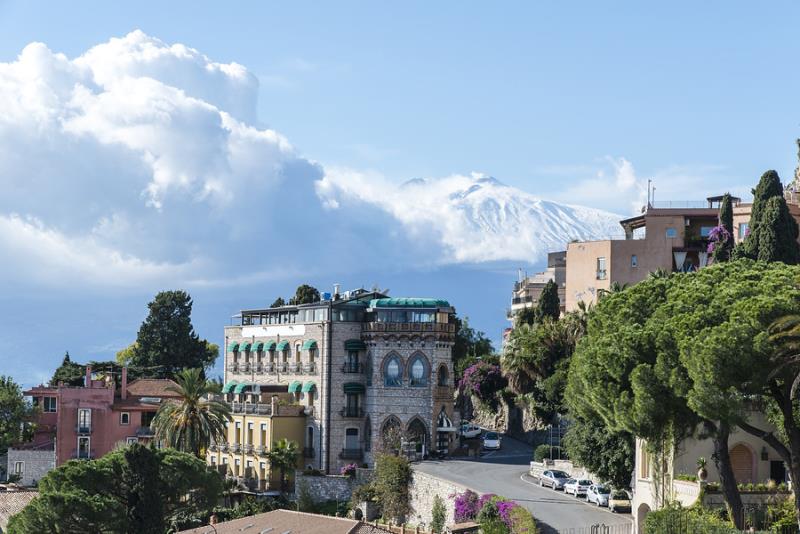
(549, 304)
(769, 186)
(723, 248)
(777, 234)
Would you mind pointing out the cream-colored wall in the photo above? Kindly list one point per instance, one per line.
(582, 282)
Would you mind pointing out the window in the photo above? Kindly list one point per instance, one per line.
(264, 442)
(312, 355)
(671, 233)
(391, 374)
(49, 404)
(644, 463)
(705, 231)
(19, 468)
(297, 351)
(213, 460)
(744, 230)
(418, 374)
(634, 260)
(310, 437)
(131, 441)
(84, 420)
(351, 438)
(125, 418)
(84, 447)
(601, 268)
(442, 376)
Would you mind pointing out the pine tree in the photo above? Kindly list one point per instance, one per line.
(549, 304)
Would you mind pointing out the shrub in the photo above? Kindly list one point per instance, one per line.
(465, 506)
(483, 380)
(391, 480)
(349, 470)
(541, 452)
(694, 520)
(438, 515)
(305, 502)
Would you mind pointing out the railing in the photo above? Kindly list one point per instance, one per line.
(521, 300)
(310, 368)
(349, 411)
(213, 447)
(675, 204)
(248, 448)
(82, 455)
(351, 454)
(223, 447)
(235, 447)
(601, 274)
(444, 328)
(280, 367)
(256, 408)
(262, 450)
(293, 368)
(83, 429)
(352, 367)
(232, 367)
(308, 452)
(145, 432)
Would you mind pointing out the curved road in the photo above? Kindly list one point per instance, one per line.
(505, 472)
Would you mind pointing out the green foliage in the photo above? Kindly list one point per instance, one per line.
(192, 421)
(251, 506)
(109, 495)
(278, 303)
(390, 483)
(305, 294)
(470, 345)
(438, 515)
(722, 250)
(16, 414)
(305, 501)
(609, 454)
(283, 457)
(522, 521)
(525, 316)
(674, 518)
(70, 373)
(166, 342)
(549, 305)
(541, 452)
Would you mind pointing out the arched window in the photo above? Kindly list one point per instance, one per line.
(392, 372)
(392, 434)
(442, 378)
(297, 350)
(418, 371)
(310, 437)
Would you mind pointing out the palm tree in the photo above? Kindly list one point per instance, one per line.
(192, 421)
(785, 333)
(615, 287)
(283, 457)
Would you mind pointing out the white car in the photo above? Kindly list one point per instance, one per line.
(491, 441)
(598, 494)
(470, 430)
(577, 487)
(554, 479)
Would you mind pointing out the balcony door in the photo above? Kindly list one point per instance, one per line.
(85, 419)
(351, 439)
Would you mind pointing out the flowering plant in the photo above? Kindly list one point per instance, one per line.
(719, 236)
(465, 506)
(482, 380)
(349, 470)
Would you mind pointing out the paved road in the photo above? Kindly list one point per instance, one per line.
(504, 472)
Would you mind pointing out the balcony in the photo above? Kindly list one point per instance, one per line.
(261, 450)
(601, 274)
(352, 368)
(145, 432)
(232, 367)
(441, 328)
(308, 452)
(83, 429)
(351, 454)
(310, 368)
(352, 412)
(281, 367)
(235, 447)
(249, 449)
(254, 408)
(292, 368)
(223, 447)
(213, 447)
(83, 455)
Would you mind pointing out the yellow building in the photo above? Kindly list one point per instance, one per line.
(259, 419)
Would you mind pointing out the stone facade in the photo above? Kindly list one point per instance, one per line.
(34, 464)
(423, 489)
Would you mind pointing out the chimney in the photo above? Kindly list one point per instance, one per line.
(88, 381)
(335, 291)
(124, 393)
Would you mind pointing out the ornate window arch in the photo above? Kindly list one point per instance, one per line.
(442, 376)
(393, 371)
(419, 371)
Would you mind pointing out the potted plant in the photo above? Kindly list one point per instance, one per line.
(702, 472)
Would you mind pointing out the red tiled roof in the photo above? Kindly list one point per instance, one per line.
(282, 521)
(151, 387)
(12, 502)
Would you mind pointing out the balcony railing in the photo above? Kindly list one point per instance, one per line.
(83, 428)
(256, 408)
(352, 368)
(262, 450)
(223, 447)
(351, 454)
(249, 449)
(444, 328)
(308, 452)
(350, 411)
(601, 274)
(83, 455)
(310, 368)
(292, 368)
(234, 447)
(145, 432)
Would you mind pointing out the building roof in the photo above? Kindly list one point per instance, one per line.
(151, 387)
(12, 502)
(408, 303)
(288, 521)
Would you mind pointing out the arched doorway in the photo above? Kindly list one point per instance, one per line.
(391, 434)
(418, 436)
(641, 513)
(742, 463)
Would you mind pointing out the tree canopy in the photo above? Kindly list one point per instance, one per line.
(305, 294)
(549, 305)
(470, 346)
(278, 303)
(167, 342)
(130, 490)
(16, 415)
(723, 234)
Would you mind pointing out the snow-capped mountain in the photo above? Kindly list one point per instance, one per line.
(477, 218)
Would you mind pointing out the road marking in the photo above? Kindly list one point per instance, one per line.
(606, 510)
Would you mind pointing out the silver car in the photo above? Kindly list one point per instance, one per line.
(577, 487)
(598, 494)
(554, 479)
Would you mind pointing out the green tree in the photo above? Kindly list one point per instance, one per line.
(606, 453)
(278, 303)
(69, 372)
(470, 346)
(109, 495)
(126, 355)
(16, 415)
(305, 294)
(549, 305)
(390, 482)
(438, 515)
(192, 421)
(167, 342)
(722, 237)
(283, 457)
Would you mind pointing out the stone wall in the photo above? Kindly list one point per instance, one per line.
(575, 471)
(332, 487)
(423, 489)
(36, 464)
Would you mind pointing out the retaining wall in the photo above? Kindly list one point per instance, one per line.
(423, 489)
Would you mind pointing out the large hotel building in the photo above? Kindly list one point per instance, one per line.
(358, 366)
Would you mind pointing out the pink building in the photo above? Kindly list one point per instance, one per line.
(89, 421)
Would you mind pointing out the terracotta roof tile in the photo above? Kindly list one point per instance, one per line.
(151, 387)
(282, 521)
(12, 502)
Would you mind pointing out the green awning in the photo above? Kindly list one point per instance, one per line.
(244, 347)
(309, 344)
(283, 345)
(354, 387)
(355, 344)
(269, 345)
(295, 386)
(233, 347)
(309, 386)
(240, 388)
(228, 386)
(258, 346)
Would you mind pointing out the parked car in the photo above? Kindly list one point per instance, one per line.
(470, 430)
(598, 494)
(491, 441)
(554, 479)
(577, 487)
(619, 501)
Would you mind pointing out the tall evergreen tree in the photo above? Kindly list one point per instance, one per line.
(549, 304)
(144, 511)
(278, 303)
(769, 186)
(777, 234)
(724, 244)
(305, 294)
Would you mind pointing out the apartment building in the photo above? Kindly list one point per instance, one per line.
(362, 366)
(88, 421)
(528, 289)
(672, 236)
(261, 415)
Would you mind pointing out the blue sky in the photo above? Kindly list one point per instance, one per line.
(564, 103)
